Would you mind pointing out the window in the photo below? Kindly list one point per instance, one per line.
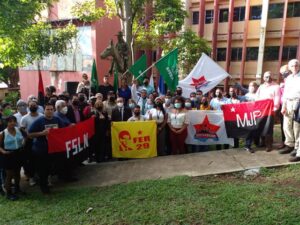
(223, 17)
(209, 16)
(271, 53)
(255, 12)
(239, 14)
(195, 17)
(293, 9)
(289, 52)
(236, 54)
(275, 11)
(221, 54)
(252, 53)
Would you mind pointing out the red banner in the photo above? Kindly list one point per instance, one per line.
(241, 119)
(72, 139)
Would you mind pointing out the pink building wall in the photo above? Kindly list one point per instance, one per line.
(102, 32)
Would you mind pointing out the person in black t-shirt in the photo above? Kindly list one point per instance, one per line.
(105, 88)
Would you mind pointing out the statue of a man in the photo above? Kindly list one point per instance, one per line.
(123, 49)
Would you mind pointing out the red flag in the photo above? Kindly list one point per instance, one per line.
(71, 140)
(41, 91)
(241, 119)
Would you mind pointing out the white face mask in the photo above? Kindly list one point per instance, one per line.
(64, 110)
(120, 104)
(251, 89)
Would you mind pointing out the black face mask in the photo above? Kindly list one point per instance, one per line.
(137, 113)
(219, 95)
(205, 103)
(81, 99)
(159, 104)
(112, 98)
(33, 109)
(75, 102)
(146, 83)
(99, 109)
(178, 92)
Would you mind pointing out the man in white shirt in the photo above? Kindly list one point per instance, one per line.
(290, 100)
(136, 114)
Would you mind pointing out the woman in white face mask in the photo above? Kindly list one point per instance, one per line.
(61, 111)
(178, 122)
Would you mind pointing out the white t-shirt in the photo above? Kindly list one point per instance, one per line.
(177, 120)
(19, 116)
(134, 118)
(27, 120)
(157, 115)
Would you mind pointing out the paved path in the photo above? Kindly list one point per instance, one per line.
(196, 164)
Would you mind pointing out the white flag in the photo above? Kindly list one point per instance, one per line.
(207, 127)
(205, 76)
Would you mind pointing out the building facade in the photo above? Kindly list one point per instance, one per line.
(248, 37)
(92, 39)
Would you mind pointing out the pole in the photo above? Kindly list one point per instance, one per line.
(145, 71)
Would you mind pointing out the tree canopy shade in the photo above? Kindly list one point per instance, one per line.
(25, 37)
(190, 48)
(18, 15)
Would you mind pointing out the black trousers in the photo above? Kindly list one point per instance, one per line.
(42, 167)
(28, 159)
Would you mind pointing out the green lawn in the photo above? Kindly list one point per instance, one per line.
(272, 198)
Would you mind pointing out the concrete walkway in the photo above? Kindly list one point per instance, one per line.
(196, 164)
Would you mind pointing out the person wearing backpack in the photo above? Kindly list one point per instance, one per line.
(11, 149)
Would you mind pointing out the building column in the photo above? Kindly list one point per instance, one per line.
(229, 39)
(298, 49)
(148, 52)
(282, 37)
(201, 18)
(215, 29)
(247, 13)
(262, 40)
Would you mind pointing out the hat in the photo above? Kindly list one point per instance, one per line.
(158, 98)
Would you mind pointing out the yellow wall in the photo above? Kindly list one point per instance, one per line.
(273, 35)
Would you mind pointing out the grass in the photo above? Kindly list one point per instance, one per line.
(271, 198)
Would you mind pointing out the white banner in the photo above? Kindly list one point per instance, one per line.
(207, 128)
(205, 76)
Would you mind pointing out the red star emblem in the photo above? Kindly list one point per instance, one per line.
(206, 126)
(198, 82)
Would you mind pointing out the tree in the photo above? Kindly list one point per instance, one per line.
(25, 36)
(190, 48)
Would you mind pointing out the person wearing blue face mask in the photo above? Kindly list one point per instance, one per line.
(188, 104)
(131, 104)
(178, 122)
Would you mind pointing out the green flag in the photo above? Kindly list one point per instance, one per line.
(94, 78)
(116, 80)
(139, 67)
(167, 67)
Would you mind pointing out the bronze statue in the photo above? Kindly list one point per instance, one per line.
(119, 54)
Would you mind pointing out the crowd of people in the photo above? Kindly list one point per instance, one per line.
(24, 132)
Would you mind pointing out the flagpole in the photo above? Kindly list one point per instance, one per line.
(125, 72)
(153, 64)
(145, 71)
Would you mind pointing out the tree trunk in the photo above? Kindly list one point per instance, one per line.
(127, 24)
